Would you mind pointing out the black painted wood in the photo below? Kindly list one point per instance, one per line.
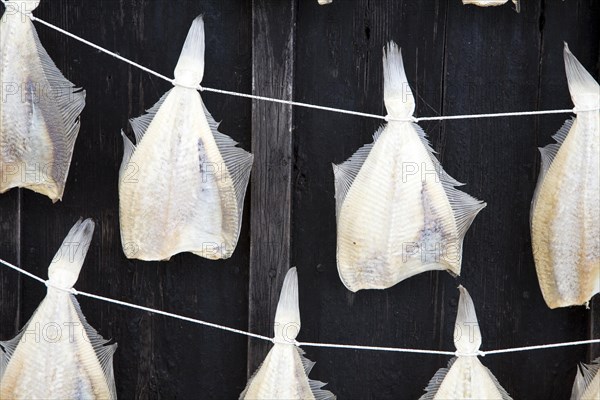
(458, 59)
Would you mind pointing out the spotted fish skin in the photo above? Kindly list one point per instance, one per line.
(39, 110)
(182, 185)
(465, 378)
(284, 373)
(565, 215)
(398, 212)
(58, 355)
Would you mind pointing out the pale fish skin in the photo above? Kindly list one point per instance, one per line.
(284, 373)
(58, 355)
(587, 382)
(565, 216)
(39, 111)
(182, 186)
(465, 377)
(488, 3)
(398, 212)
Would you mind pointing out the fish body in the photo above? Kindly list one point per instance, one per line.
(182, 186)
(565, 212)
(284, 372)
(465, 377)
(58, 355)
(587, 382)
(39, 109)
(488, 3)
(398, 212)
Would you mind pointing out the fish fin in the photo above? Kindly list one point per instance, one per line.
(7, 349)
(468, 339)
(237, 160)
(288, 310)
(66, 265)
(69, 99)
(503, 392)
(434, 384)
(190, 67)
(397, 95)
(140, 124)
(315, 386)
(585, 91)
(103, 351)
(346, 172)
(517, 4)
(464, 206)
(585, 374)
(128, 149)
(549, 152)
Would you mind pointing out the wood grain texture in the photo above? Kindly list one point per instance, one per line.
(273, 32)
(10, 281)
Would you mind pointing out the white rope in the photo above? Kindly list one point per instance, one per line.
(297, 103)
(292, 342)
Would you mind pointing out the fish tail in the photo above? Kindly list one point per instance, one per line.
(468, 336)
(584, 89)
(66, 265)
(190, 67)
(398, 97)
(287, 316)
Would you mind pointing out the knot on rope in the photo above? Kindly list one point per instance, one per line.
(175, 82)
(477, 353)
(283, 341)
(53, 285)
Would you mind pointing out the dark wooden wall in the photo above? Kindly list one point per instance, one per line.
(458, 60)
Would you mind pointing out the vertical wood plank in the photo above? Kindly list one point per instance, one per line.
(273, 25)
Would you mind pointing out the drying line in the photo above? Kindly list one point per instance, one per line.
(297, 103)
(305, 344)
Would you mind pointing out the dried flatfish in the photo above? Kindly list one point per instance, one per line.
(488, 3)
(284, 373)
(39, 109)
(182, 185)
(587, 382)
(58, 355)
(465, 377)
(398, 212)
(565, 212)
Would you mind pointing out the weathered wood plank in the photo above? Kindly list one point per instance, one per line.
(273, 26)
(10, 250)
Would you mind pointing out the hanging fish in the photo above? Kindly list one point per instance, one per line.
(182, 185)
(487, 3)
(58, 355)
(398, 213)
(284, 373)
(565, 211)
(465, 377)
(587, 382)
(39, 109)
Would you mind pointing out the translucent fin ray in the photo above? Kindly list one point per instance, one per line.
(69, 99)
(190, 67)
(549, 152)
(140, 124)
(103, 351)
(464, 206)
(585, 91)
(346, 172)
(66, 265)
(287, 316)
(128, 150)
(585, 375)
(434, 384)
(315, 386)
(398, 97)
(237, 160)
